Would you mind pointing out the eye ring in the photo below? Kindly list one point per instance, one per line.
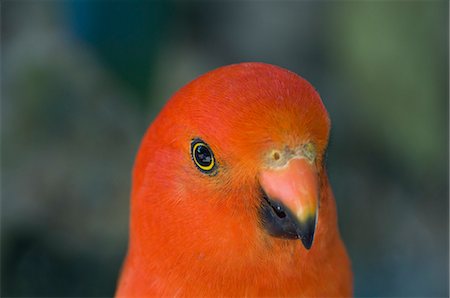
(202, 156)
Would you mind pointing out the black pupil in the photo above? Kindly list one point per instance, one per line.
(203, 155)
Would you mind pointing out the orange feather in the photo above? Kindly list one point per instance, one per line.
(194, 234)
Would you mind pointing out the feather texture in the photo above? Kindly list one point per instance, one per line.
(193, 234)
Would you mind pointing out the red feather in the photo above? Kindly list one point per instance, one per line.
(193, 234)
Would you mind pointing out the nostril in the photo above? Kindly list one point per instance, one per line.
(276, 155)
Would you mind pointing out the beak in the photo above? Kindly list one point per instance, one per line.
(290, 204)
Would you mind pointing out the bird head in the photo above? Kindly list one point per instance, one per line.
(235, 158)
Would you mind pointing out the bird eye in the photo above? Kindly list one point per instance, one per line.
(202, 156)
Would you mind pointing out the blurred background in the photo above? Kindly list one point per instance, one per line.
(82, 80)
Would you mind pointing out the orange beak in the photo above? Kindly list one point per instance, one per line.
(291, 198)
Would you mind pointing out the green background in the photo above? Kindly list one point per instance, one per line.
(82, 80)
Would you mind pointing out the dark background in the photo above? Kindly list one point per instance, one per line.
(82, 80)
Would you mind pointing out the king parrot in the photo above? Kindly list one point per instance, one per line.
(230, 194)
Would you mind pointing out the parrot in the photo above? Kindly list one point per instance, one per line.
(230, 194)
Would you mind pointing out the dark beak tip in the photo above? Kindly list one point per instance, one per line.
(307, 242)
(306, 232)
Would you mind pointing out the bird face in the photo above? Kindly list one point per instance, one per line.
(247, 142)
